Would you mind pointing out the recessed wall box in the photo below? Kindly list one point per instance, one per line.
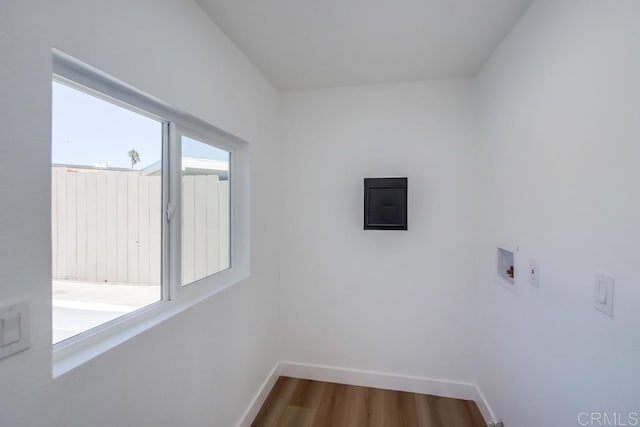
(507, 266)
(385, 203)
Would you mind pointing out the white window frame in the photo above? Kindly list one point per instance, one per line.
(175, 298)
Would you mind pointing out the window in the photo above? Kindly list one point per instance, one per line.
(106, 210)
(145, 201)
(205, 209)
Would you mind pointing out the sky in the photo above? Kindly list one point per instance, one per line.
(87, 130)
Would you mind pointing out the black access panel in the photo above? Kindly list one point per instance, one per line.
(385, 203)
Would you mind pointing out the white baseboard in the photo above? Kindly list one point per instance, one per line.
(437, 387)
(258, 400)
(485, 408)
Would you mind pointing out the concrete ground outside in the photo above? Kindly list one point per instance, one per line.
(80, 306)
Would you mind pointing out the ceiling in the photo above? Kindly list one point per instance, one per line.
(301, 44)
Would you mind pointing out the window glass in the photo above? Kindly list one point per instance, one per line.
(205, 210)
(106, 211)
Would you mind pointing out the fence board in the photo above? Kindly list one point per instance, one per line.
(112, 227)
(71, 227)
(122, 228)
(101, 227)
(200, 226)
(155, 230)
(81, 225)
(133, 275)
(61, 185)
(188, 220)
(107, 226)
(143, 230)
(91, 224)
(225, 226)
(54, 223)
(213, 225)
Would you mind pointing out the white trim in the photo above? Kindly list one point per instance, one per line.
(258, 400)
(84, 76)
(70, 354)
(168, 292)
(82, 347)
(437, 387)
(485, 408)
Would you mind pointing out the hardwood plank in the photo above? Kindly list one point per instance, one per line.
(475, 416)
(376, 408)
(331, 408)
(295, 416)
(305, 403)
(428, 416)
(307, 394)
(356, 401)
(407, 409)
(275, 404)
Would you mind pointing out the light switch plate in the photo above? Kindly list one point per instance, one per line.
(603, 293)
(10, 329)
(15, 328)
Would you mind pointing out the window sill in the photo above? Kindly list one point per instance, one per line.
(71, 353)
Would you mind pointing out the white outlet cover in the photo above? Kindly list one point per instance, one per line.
(603, 293)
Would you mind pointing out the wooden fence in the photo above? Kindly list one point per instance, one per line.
(106, 226)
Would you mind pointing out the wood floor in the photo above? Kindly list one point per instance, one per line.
(303, 403)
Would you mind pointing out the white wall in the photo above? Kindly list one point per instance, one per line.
(203, 366)
(559, 171)
(392, 301)
(553, 171)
